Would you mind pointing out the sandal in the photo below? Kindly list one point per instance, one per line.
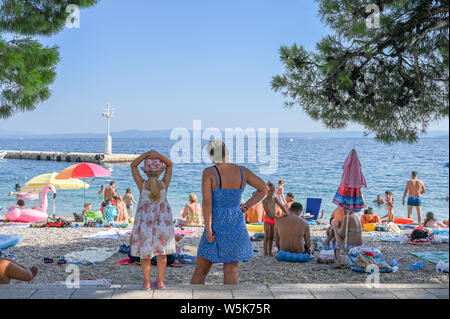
(143, 287)
(48, 260)
(155, 284)
(62, 261)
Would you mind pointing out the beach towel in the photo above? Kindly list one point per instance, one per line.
(89, 256)
(363, 249)
(432, 256)
(392, 238)
(8, 255)
(406, 226)
(438, 231)
(427, 240)
(126, 261)
(184, 232)
(15, 225)
(384, 266)
(107, 234)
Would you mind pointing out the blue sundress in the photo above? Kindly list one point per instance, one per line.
(232, 242)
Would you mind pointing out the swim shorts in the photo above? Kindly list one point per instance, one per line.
(414, 201)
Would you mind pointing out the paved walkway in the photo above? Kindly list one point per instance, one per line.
(298, 291)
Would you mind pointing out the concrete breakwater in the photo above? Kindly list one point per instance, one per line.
(76, 157)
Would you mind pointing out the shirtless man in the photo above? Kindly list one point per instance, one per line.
(337, 231)
(292, 232)
(416, 188)
(110, 192)
(270, 203)
(255, 213)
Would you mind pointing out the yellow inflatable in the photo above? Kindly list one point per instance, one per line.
(368, 227)
(252, 227)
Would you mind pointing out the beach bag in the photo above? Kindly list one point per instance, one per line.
(77, 217)
(325, 257)
(419, 234)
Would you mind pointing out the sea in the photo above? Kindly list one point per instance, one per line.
(310, 167)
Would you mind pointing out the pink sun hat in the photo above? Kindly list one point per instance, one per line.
(153, 165)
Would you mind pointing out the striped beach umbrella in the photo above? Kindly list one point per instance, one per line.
(83, 170)
(349, 196)
(37, 183)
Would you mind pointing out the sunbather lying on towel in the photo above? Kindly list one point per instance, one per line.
(432, 222)
(369, 217)
(10, 269)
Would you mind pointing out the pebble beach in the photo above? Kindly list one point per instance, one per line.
(38, 243)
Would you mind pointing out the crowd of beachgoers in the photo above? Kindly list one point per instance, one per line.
(212, 242)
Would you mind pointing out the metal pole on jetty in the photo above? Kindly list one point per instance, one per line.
(108, 113)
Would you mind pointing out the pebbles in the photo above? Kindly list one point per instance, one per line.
(38, 243)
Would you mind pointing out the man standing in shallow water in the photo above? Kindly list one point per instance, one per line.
(110, 192)
(416, 188)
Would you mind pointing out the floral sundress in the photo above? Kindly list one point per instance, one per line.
(153, 230)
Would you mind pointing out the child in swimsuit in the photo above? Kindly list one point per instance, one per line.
(379, 200)
(270, 204)
(389, 197)
(390, 214)
(280, 195)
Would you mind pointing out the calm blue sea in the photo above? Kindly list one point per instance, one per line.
(310, 167)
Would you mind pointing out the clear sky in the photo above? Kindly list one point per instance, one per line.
(162, 64)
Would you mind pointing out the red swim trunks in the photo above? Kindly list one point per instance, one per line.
(268, 220)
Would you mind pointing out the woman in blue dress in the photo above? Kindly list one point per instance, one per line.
(225, 238)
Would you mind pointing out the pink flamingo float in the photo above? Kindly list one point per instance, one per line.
(30, 215)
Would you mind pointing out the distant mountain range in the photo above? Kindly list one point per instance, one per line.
(166, 134)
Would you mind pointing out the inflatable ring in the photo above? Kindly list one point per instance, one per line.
(78, 159)
(68, 159)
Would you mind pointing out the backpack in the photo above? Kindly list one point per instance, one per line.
(419, 234)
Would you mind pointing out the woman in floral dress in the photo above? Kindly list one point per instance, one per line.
(153, 231)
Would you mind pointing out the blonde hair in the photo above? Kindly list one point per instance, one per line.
(193, 198)
(217, 151)
(155, 186)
